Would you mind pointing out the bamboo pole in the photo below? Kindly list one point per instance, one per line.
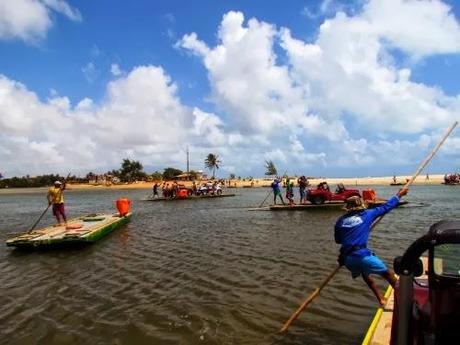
(317, 291)
(309, 299)
(431, 155)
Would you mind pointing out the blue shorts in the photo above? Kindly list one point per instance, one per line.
(365, 265)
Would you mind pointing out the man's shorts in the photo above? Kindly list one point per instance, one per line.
(58, 209)
(277, 192)
(366, 265)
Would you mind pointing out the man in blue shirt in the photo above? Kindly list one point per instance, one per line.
(277, 190)
(352, 232)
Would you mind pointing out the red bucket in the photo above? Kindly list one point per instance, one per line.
(123, 206)
(369, 195)
(182, 193)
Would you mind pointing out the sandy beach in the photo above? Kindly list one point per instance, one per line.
(265, 182)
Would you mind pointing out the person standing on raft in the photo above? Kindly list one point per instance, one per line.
(290, 192)
(155, 191)
(277, 190)
(302, 182)
(352, 231)
(56, 198)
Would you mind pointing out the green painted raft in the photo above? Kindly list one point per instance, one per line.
(81, 230)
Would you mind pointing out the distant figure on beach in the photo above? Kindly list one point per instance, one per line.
(56, 198)
(302, 182)
(155, 190)
(352, 231)
(394, 178)
(427, 177)
(290, 192)
(276, 190)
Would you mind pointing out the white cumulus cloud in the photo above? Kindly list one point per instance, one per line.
(30, 20)
(340, 100)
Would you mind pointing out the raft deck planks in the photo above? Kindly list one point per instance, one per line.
(93, 228)
(329, 205)
(326, 205)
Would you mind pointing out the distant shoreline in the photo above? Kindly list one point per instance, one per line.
(257, 182)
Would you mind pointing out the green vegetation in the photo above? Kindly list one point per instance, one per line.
(212, 163)
(170, 173)
(271, 169)
(131, 171)
(37, 181)
(156, 176)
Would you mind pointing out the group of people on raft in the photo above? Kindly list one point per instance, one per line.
(452, 178)
(172, 191)
(302, 182)
(351, 231)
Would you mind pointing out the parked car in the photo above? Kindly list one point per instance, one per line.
(322, 193)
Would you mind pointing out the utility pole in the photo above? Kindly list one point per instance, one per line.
(188, 161)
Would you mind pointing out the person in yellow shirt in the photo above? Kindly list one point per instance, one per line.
(56, 198)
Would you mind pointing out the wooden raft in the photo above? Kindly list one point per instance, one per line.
(326, 205)
(84, 229)
(194, 197)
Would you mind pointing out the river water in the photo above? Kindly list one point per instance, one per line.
(196, 272)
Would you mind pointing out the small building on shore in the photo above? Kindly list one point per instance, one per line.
(190, 176)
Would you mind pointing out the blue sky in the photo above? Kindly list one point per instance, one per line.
(332, 88)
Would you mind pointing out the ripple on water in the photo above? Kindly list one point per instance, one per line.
(195, 272)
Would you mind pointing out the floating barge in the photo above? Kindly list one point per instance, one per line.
(81, 230)
(327, 205)
(194, 197)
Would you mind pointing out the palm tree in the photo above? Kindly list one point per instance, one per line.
(212, 163)
(271, 169)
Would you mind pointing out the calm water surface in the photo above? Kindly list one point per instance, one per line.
(195, 272)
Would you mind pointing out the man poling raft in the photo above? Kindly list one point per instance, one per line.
(352, 231)
(317, 291)
(277, 190)
(56, 199)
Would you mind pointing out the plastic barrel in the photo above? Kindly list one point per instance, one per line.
(123, 206)
(182, 193)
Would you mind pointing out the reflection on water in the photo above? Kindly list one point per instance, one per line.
(195, 272)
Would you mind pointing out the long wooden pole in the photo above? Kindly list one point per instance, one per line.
(41, 216)
(431, 155)
(317, 291)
